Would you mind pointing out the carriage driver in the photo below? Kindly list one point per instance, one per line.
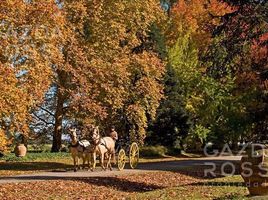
(113, 134)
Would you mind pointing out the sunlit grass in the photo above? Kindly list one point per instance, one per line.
(226, 188)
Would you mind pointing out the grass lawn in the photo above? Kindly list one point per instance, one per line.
(34, 162)
(220, 188)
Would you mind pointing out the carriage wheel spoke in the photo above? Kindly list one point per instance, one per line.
(121, 160)
(134, 155)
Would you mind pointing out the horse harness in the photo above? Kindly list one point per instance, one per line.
(103, 143)
(84, 144)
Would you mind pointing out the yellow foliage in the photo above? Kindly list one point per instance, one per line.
(28, 45)
(3, 141)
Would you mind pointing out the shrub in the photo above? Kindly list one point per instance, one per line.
(38, 148)
(153, 151)
(196, 138)
(173, 151)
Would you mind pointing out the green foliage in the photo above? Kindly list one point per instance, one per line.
(172, 121)
(174, 151)
(210, 101)
(200, 132)
(42, 147)
(157, 151)
(239, 46)
(195, 139)
(153, 151)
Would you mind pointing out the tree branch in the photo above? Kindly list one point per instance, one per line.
(46, 110)
(41, 119)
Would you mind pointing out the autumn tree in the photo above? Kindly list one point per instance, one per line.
(197, 96)
(109, 71)
(243, 41)
(50, 116)
(27, 32)
(125, 69)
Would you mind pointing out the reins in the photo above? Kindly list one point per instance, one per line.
(75, 145)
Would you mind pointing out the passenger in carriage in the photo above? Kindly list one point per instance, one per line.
(113, 134)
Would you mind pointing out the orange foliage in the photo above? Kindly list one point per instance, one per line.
(197, 16)
(97, 60)
(259, 49)
(28, 41)
(116, 78)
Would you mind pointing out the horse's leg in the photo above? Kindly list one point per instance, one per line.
(93, 161)
(87, 155)
(102, 160)
(105, 160)
(84, 160)
(109, 162)
(79, 163)
(75, 163)
(87, 159)
(77, 160)
(107, 157)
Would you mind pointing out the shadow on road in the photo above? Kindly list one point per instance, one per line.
(116, 183)
(122, 184)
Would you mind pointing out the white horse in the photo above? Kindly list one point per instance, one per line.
(80, 150)
(104, 147)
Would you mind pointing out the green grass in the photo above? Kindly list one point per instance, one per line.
(39, 148)
(227, 188)
(163, 152)
(153, 151)
(30, 157)
(158, 151)
(34, 162)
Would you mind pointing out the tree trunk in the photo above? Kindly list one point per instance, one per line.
(24, 140)
(56, 146)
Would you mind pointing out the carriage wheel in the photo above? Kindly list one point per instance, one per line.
(134, 155)
(121, 159)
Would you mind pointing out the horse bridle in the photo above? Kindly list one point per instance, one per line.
(96, 136)
(97, 139)
(73, 136)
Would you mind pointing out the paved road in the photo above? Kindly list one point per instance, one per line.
(142, 168)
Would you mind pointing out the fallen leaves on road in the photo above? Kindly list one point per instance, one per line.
(119, 187)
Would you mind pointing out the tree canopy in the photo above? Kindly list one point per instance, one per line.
(192, 71)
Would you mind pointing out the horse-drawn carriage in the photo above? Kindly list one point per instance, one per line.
(124, 151)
